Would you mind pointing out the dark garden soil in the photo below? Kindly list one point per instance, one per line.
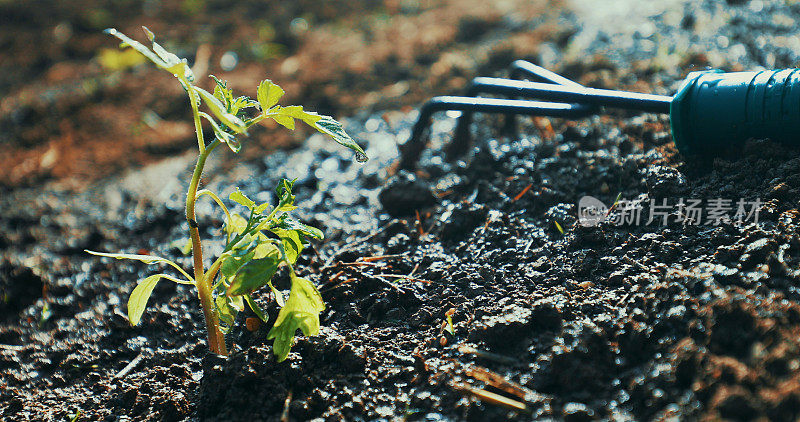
(550, 319)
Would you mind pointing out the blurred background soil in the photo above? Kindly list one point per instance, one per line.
(74, 109)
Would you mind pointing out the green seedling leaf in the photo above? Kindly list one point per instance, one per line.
(46, 314)
(284, 121)
(231, 264)
(147, 259)
(228, 139)
(285, 196)
(219, 111)
(253, 275)
(268, 95)
(252, 255)
(301, 311)
(136, 45)
(241, 199)
(266, 247)
(225, 96)
(235, 225)
(289, 223)
(286, 115)
(138, 299)
(223, 93)
(237, 303)
(295, 112)
(183, 245)
(329, 126)
(291, 243)
(261, 208)
(150, 35)
(241, 103)
(324, 124)
(227, 309)
(279, 299)
(159, 56)
(449, 327)
(225, 312)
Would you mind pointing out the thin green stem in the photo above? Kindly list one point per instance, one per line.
(216, 199)
(216, 340)
(198, 126)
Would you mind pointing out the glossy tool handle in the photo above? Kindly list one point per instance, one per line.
(713, 110)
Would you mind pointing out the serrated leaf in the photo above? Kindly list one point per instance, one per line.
(291, 111)
(268, 94)
(242, 199)
(329, 126)
(241, 103)
(253, 275)
(286, 115)
(220, 111)
(301, 311)
(138, 298)
(222, 92)
(310, 118)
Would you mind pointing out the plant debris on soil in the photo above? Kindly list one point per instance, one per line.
(466, 290)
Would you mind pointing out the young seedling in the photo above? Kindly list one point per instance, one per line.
(250, 258)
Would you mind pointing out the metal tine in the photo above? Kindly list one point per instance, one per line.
(412, 149)
(519, 69)
(570, 99)
(523, 68)
(584, 96)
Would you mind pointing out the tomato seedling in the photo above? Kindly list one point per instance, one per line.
(251, 257)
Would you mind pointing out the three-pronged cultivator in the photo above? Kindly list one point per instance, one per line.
(711, 110)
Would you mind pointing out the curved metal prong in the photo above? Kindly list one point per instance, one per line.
(528, 70)
(412, 149)
(519, 69)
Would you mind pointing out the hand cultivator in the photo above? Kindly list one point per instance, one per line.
(711, 110)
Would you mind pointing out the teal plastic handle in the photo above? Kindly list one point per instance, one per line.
(713, 110)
